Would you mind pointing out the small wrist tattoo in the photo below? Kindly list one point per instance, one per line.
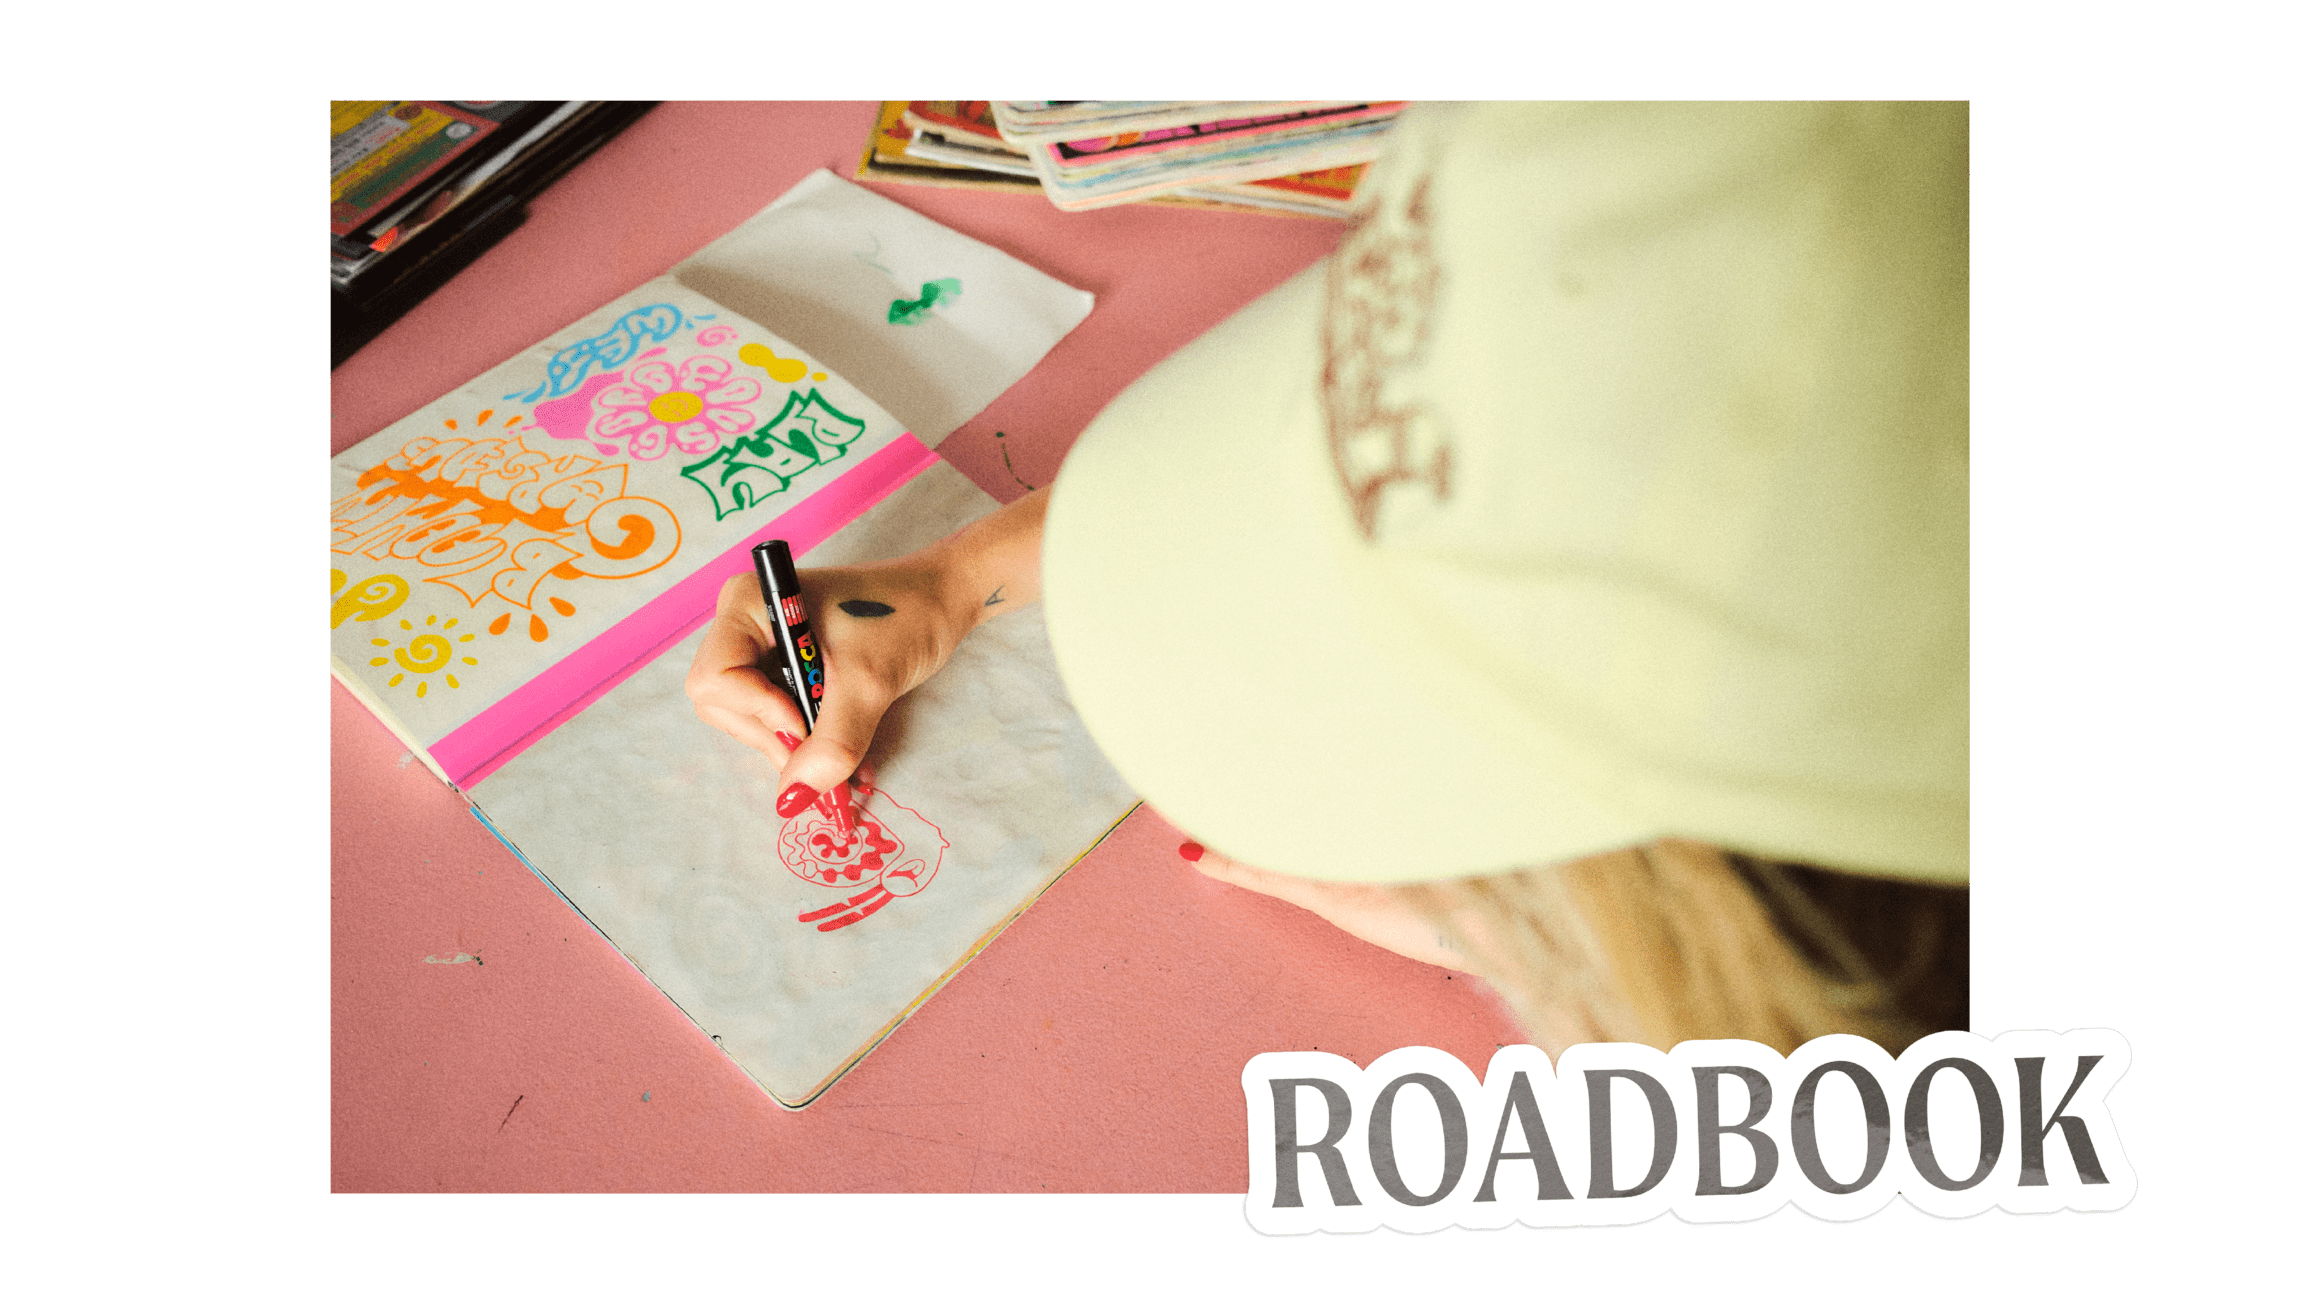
(994, 599)
(865, 608)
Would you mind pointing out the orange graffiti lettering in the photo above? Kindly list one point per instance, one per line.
(642, 536)
(496, 518)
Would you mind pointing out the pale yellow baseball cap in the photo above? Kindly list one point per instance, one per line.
(1609, 483)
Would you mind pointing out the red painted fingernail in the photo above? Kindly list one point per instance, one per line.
(789, 742)
(1192, 850)
(795, 799)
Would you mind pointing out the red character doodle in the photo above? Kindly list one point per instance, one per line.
(893, 855)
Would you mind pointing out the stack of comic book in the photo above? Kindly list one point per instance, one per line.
(1284, 157)
(419, 188)
(1094, 154)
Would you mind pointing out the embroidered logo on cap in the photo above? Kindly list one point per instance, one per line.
(1380, 293)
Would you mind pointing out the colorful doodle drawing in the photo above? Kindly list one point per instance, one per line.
(657, 408)
(894, 854)
(495, 519)
(481, 421)
(782, 368)
(569, 416)
(910, 312)
(371, 599)
(536, 629)
(428, 652)
(621, 340)
(715, 335)
(808, 431)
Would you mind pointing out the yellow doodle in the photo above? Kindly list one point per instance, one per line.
(780, 369)
(371, 599)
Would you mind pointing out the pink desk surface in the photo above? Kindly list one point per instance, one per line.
(1095, 1046)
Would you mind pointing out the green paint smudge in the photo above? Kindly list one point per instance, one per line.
(910, 312)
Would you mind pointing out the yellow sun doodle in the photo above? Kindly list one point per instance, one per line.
(423, 653)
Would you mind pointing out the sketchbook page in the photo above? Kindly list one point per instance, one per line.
(509, 548)
(796, 953)
(932, 323)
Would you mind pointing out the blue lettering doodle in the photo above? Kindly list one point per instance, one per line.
(620, 342)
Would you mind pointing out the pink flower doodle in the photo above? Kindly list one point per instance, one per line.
(657, 408)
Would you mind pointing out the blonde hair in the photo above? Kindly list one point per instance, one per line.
(1679, 940)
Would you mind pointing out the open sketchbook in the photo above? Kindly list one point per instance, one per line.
(520, 573)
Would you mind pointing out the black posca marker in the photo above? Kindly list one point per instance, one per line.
(802, 657)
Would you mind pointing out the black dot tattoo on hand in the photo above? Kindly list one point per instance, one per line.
(866, 609)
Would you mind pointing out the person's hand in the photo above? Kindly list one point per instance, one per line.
(884, 628)
(1378, 914)
(870, 658)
